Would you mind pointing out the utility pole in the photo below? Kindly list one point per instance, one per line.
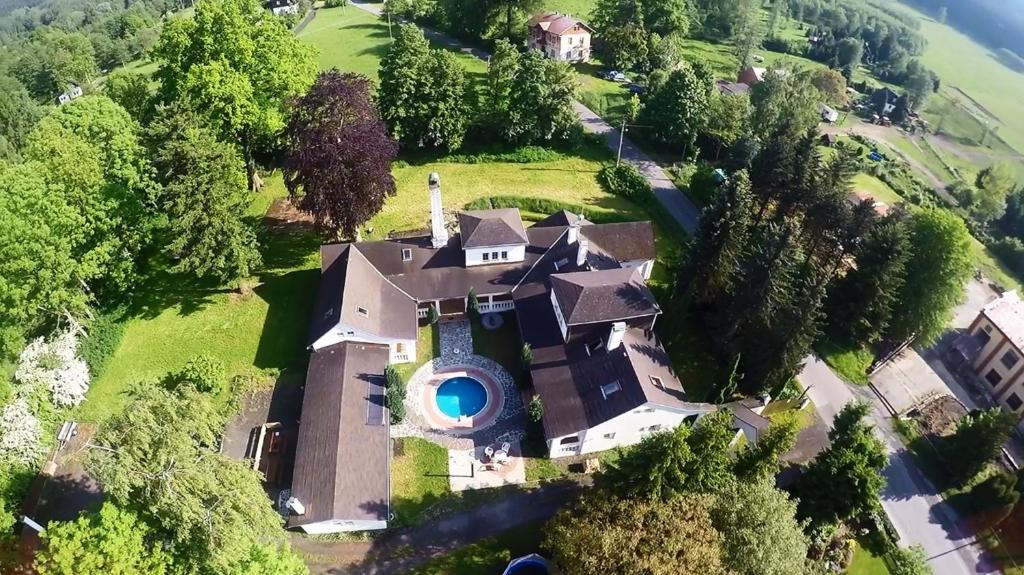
(388, 9)
(622, 136)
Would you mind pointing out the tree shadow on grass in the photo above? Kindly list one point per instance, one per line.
(289, 298)
(161, 287)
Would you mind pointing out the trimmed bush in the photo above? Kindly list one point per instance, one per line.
(1010, 251)
(523, 155)
(536, 409)
(103, 335)
(202, 372)
(395, 400)
(625, 181)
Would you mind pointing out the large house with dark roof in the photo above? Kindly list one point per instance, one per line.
(579, 292)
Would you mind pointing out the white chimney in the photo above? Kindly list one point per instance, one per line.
(438, 233)
(296, 506)
(574, 232)
(615, 335)
(582, 250)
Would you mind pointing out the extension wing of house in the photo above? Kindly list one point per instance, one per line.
(580, 294)
(993, 348)
(559, 37)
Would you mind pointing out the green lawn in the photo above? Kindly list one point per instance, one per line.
(174, 317)
(428, 346)
(487, 556)
(503, 345)
(866, 562)
(877, 188)
(579, 8)
(419, 478)
(849, 362)
(353, 40)
(963, 64)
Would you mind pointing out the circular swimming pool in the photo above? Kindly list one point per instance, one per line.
(461, 397)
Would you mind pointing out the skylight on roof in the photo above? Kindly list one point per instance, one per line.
(406, 255)
(610, 388)
(561, 263)
(363, 311)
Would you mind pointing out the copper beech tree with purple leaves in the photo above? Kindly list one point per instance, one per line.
(338, 166)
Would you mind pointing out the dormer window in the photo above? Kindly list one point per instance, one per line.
(363, 311)
(610, 388)
(406, 255)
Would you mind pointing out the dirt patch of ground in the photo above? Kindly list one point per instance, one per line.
(284, 217)
(940, 415)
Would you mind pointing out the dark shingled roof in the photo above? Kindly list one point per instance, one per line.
(342, 452)
(623, 241)
(603, 295)
(390, 312)
(487, 228)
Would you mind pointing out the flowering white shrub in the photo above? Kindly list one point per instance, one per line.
(56, 365)
(20, 432)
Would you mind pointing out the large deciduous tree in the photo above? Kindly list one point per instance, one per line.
(161, 458)
(131, 91)
(52, 59)
(205, 198)
(540, 107)
(339, 154)
(18, 115)
(654, 468)
(761, 535)
(762, 459)
(112, 541)
(936, 274)
(422, 95)
(784, 99)
(39, 274)
(845, 480)
(92, 150)
(238, 64)
(677, 109)
(603, 534)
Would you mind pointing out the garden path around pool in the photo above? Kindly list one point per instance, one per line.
(502, 419)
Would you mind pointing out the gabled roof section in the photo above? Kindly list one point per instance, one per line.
(354, 293)
(556, 23)
(624, 241)
(603, 296)
(563, 218)
(491, 228)
(342, 451)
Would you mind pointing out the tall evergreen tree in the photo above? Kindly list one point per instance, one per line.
(861, 303)
(720, 243)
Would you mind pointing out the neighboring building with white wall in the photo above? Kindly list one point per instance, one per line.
(560, 37)
(994, 348)
(73, 91)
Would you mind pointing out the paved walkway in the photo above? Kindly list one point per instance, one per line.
(675, 203)
(397, 552)
(911, 501)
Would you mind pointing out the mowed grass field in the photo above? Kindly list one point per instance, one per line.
(353, 40)
(962, 63)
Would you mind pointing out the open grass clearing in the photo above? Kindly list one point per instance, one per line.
(877, 188)
(866, 562)
(174, 317)
(849, 361)
(964, 64)
(353, 40)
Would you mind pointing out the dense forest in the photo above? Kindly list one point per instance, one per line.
(998, 24)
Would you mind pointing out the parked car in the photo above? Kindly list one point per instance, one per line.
(615, 76)
(635, 88)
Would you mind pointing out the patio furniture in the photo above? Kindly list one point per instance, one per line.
(506, 446)
(501, 457)
(488, 451)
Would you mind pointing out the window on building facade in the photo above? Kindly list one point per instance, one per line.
(570, 440)
(487, 257)
(1010, 359)
(993, 377)
(494, 255)
(504, 255)
(1014, 401)
(983, 335)
(609, 435)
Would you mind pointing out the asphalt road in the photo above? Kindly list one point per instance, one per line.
(911, 501)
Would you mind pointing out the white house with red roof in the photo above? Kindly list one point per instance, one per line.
(560, 37)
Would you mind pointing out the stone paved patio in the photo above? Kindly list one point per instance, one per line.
(456, 342)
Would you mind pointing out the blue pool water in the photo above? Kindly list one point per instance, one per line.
(461, 396)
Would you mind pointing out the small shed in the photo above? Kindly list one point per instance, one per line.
(829, 140)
